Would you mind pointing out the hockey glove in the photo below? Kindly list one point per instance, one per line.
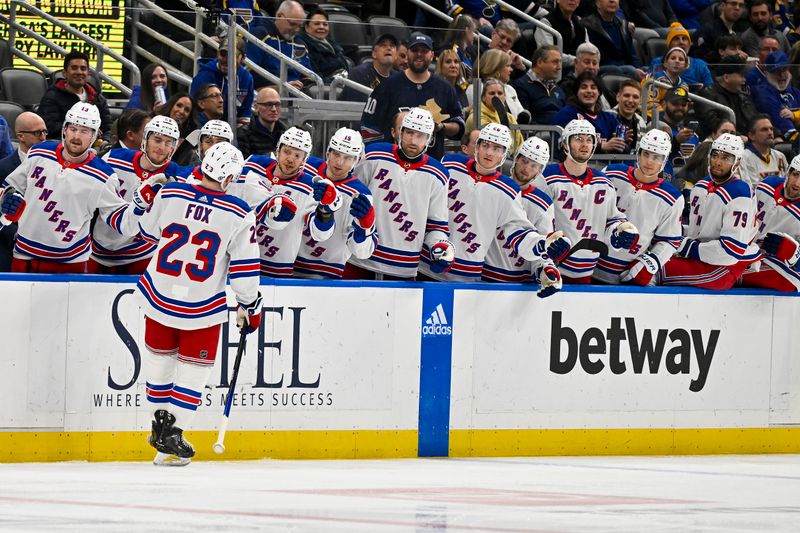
(442, 256)
(248, 317)
(325, 193)
(558, 246)
(782, 246)
(624, 236)
(362, 211)
(12, 204)
(550, 281)
(143, 196)
(642, 271)
(281, 208)
(689, 248)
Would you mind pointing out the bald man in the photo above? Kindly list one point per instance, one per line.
(280, 33)
(30, 129)
(261, 135)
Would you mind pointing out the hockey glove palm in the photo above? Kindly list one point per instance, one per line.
(642, 271)
(12, 204)
(625, 236)
(248, 317)
(442, 256)
(782, 246)
(325, 193)
(550, 281)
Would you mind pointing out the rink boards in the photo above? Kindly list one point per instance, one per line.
(368, 370)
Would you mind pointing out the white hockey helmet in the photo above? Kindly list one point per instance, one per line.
(296, 138)
(795, 164)
(577, 126)
(730, 144)
(535, 149)
(84, 114)
(221, 161)
(496, 133)
(217, 128)
(420, 120)
(347, 141)
(657, 142)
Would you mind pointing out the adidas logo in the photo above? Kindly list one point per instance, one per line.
(436, 324)
(204, 199)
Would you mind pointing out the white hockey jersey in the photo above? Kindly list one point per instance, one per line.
(585, 207)
(755, 167)
(327, 260)
(109, 247)
(203, 236)
(61, 199)
(410, 208)
(655, 209)
(776, 214)
(723, 219)
(479, 206)
(503, 264)
(279, 247)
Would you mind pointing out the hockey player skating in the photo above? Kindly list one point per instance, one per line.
(55, 192)
(113, 253)
(778, 219)
(409, 189)
(314, 198)
(585, 202)
(203, 236)
(355, 221)
(483, 201)
(653, 205)
(718, 244)
(502, 262)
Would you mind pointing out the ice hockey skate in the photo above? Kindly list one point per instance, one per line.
(173, 449)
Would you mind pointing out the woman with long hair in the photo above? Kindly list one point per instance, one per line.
(449, 66)
(493, 96)
(154, 80)
(181, 108)
(496, 64)
(461, 38)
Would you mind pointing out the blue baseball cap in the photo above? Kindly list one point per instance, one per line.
(420, 39)
(776, 60)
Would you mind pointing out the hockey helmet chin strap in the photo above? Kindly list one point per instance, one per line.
(568, 151)
(431, 141)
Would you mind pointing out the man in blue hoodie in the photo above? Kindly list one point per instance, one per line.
(216, 71)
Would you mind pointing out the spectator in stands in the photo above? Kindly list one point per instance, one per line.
(449, 67)
(493, 100)
(628, 112)
(650, 13)
(401, 59)
(696, 168)
(707, 35)
(505, 34)
(414, 87)
(130, 129)
(564, 20)
(758, 75)
(6, 148)
(461, 38)
(539, 91)
(69, 90)
(261, 135)
(612, 35)
(688, 11)
(673, 121)
(673, 65)
(729, 45)
(587, 59)
(760, 158)
(584, 104)
(279, 33)
(215, 72)
(181, 108)
(210, 103)
(468, 142)
(373, 73)
(326, 55)
(496, 64)
(761, 26)
(697, 75)
(486, 13)
(727, 90)
(30, 130)
(778, 98)
(144, 96)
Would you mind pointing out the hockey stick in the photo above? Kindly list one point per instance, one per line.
(219, 446)
(588, 244)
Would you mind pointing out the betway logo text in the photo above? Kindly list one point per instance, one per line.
(436, 324)
(649, 345)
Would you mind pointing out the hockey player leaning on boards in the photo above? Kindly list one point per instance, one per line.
(203, 236)
(585, 202)
(410, 200)
(778, 220)
(483, 201)
(655, 206)
(62, 185)
(502, 262)
(113, 253)
(355, 221)
(718, 245)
